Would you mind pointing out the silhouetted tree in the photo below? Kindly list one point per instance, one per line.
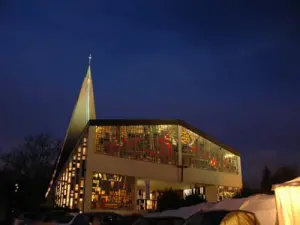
(266, 183)
(170, 199)
(193, 199)
(283, 174)
(28, 168)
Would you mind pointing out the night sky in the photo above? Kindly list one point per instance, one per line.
(230, 69)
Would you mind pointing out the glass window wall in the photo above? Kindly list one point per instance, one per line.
(111, 191)
(227, 192)
(147, 143)
(198, 152)
(69, 190)
(159, 144)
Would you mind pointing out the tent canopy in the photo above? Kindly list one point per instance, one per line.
(287, 202)
(262, 206)
(292, 183)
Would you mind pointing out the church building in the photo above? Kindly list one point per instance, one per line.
(124, 165)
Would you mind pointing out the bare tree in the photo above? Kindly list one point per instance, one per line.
(28, 166)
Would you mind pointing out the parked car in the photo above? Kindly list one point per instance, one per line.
(216, 217)
(130, 219)
(65, 219)
(106, 218)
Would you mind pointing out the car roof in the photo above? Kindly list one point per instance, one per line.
(100, 213)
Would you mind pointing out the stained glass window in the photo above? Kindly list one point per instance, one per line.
(70, 185)
(111, 191)
(159, 143)
(227, 192)
(147, 143)
(198, 152)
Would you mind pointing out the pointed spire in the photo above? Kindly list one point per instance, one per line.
(84, 111)
(90, 59)
(89, 73)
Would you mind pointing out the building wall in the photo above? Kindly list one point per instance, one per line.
(70, 186)
(168, 150)
(107, 162)
(164, 144)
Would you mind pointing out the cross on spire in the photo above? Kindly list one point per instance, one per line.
(90, 58)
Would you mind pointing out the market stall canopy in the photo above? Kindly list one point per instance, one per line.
(263, 206)
(288, 202)
(183, 212)
(230, 211)
(223, 217)
(228, 204)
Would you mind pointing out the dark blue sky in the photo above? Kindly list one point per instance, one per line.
(230, 69)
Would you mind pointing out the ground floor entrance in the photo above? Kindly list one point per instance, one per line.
(148, 192)
(119, 192)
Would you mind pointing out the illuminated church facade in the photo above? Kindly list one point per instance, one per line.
(127, 164)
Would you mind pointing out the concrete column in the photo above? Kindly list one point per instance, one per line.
(179, 150)
(239, 162)
(134, 194)
(179, 132)
(211, 193)
(88, 178)
(88, 191)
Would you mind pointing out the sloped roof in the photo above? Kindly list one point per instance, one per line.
(291, 183)
(84, 111)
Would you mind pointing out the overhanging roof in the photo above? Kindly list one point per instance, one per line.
(128, 122)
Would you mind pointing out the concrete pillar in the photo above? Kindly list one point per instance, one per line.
(134, 194)
(211, 193)
(239, 162)
(179, 150)
(88, 178)
(179, 133)
(88, 191)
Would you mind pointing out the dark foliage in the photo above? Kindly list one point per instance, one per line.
(283, 174)
(27, 170)
(169, 200)
(172, 200)
(193, 199)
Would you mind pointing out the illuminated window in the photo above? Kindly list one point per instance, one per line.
(67, 191)
(226, 192)
(111, 191)
(71, 203)
(157, 143)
